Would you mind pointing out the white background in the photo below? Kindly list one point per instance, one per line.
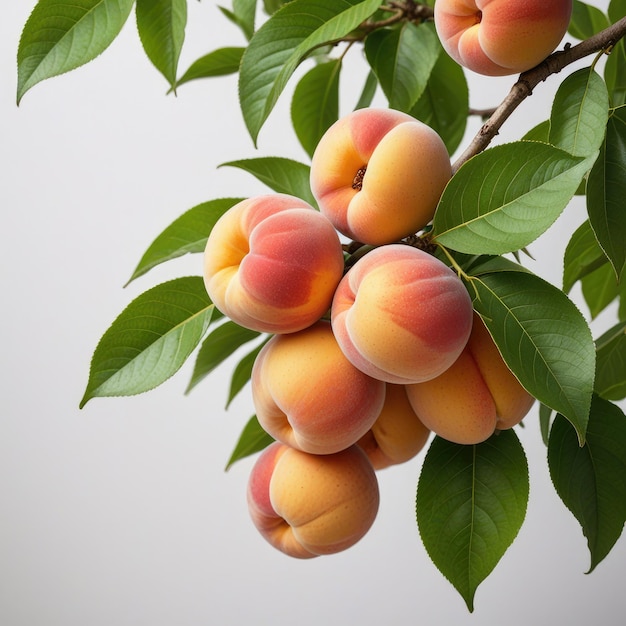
(121, 513)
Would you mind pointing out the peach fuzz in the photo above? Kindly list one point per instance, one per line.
(475, 397)
(501, 37)
(378, 174)
(401, 315)
(307, 394)
(397, 434)
(306, 505)
(272, 263)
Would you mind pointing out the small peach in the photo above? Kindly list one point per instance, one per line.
(307, 505)
(401, 315)
(501, 37)
(378, 174)
(473, 398)
(272, 264)
(307, 393)
(397, 435)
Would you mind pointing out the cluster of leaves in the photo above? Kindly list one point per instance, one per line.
(471, 500)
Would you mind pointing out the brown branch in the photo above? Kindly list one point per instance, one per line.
(400, 10)
(397, 16)
(484, 113)
(604, 40)
(414, 11)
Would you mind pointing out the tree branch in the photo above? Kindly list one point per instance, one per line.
(527, 81)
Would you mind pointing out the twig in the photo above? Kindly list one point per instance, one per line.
(527, 81)
(484, 113)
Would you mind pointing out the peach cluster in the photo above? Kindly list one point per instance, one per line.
(501, 37)
(366, 358)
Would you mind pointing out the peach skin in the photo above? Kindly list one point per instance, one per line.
(272, 264)
(397, 434)
(401, 315)
(501, 37)
(475, 397)
(378, 174)
(307, 394)
(307, 505)
(511, 400)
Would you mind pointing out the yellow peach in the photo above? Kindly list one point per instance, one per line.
(272, 264)
(401, 315)
(378, 174)
(473, 398)
(307, 394)
(501, 37)
(397, 435)
(307, 505)
(511, 400)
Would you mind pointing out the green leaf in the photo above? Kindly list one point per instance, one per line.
(476, 266)
(471, 503)
(617, 10)
(543, 338)
(161, 26)
(606, 190)
(444, 102)
(253, 439)
(243, 15)
(615, 74)
(242, 372)
(150, 340)
(502, 199)
(402, 59)
(599, 289)
(187, 234)
(217, 347)
(279, 174)
(283, 42)
(60, 36)
(586, 20)
(611, 363)
(368, 92)
(271, 6)
(220, 62)
(315, 103)
(540, 132)
(579, 113)
(591, 480)
(615, 68)
(545, 419)
(583, 255)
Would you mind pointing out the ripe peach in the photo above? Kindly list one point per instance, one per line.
(397, 434)
(501, 37)
(307, 505)
(272, 263)
(401, 315)
(307, 394)
(475, 397)
(378, 174)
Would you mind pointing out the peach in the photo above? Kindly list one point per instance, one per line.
(378, 174)
(501, 37)
(308, 395)
(272, 263)
(306, 505)
(401, 315)
(475, 397)
(397, 434)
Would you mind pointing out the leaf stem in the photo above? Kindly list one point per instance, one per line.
(457, 268)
